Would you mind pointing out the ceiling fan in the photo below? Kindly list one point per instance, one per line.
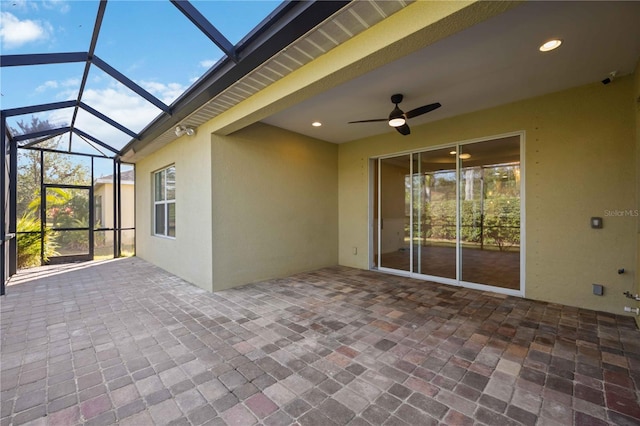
(398, 118)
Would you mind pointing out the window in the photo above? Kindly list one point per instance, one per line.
(164, 202)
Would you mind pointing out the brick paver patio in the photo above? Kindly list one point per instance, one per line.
(125, 342)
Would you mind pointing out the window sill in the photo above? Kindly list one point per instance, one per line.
(164, 237)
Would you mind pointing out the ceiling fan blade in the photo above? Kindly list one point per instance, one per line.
(369, 121)
(404, 129)
(422, 110)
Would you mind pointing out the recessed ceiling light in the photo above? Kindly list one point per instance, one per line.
(316, 124)
(465, 156)
(453, 153)
(550, 45)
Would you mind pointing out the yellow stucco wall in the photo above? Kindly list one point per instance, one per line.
(189, 254)
(275, 205)
(105, 190)
(127, 192)
(578, 164)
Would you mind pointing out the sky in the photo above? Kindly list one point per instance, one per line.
(149, 41)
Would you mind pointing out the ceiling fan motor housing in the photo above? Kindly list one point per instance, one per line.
(396, 99)
(396, 113)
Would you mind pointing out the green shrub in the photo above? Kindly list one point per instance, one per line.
(29, 242)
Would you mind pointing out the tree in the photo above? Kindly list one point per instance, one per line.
(58, 168)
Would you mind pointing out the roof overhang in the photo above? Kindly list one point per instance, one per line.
(288, 24)
(346, 40)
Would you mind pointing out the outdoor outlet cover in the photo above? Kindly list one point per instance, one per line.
(598, 289)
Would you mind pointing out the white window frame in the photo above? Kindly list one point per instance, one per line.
(164, 202)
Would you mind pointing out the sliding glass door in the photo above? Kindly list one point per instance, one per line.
(451, 215)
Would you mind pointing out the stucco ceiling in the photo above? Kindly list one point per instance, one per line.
(493, 63)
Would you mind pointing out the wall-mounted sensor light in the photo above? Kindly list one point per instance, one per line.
(612, 75)
(185, 130)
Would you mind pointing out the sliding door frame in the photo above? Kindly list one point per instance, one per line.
(374, 228)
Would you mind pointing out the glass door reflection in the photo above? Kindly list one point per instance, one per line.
(434, 214)
(395, 213)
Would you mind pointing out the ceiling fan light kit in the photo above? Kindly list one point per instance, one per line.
(396, 121)
(398, 118)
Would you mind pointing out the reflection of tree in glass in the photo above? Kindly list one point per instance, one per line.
(490, 206)
(501, 220)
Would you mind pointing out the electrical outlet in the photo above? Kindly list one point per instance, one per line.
(355, 250)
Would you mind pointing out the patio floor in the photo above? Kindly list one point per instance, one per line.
(124, 342)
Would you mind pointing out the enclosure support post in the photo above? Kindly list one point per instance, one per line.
(43, 203)
(119, 206)
(13, 207)
(92, 216)
(3, 182)
(116, 242)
